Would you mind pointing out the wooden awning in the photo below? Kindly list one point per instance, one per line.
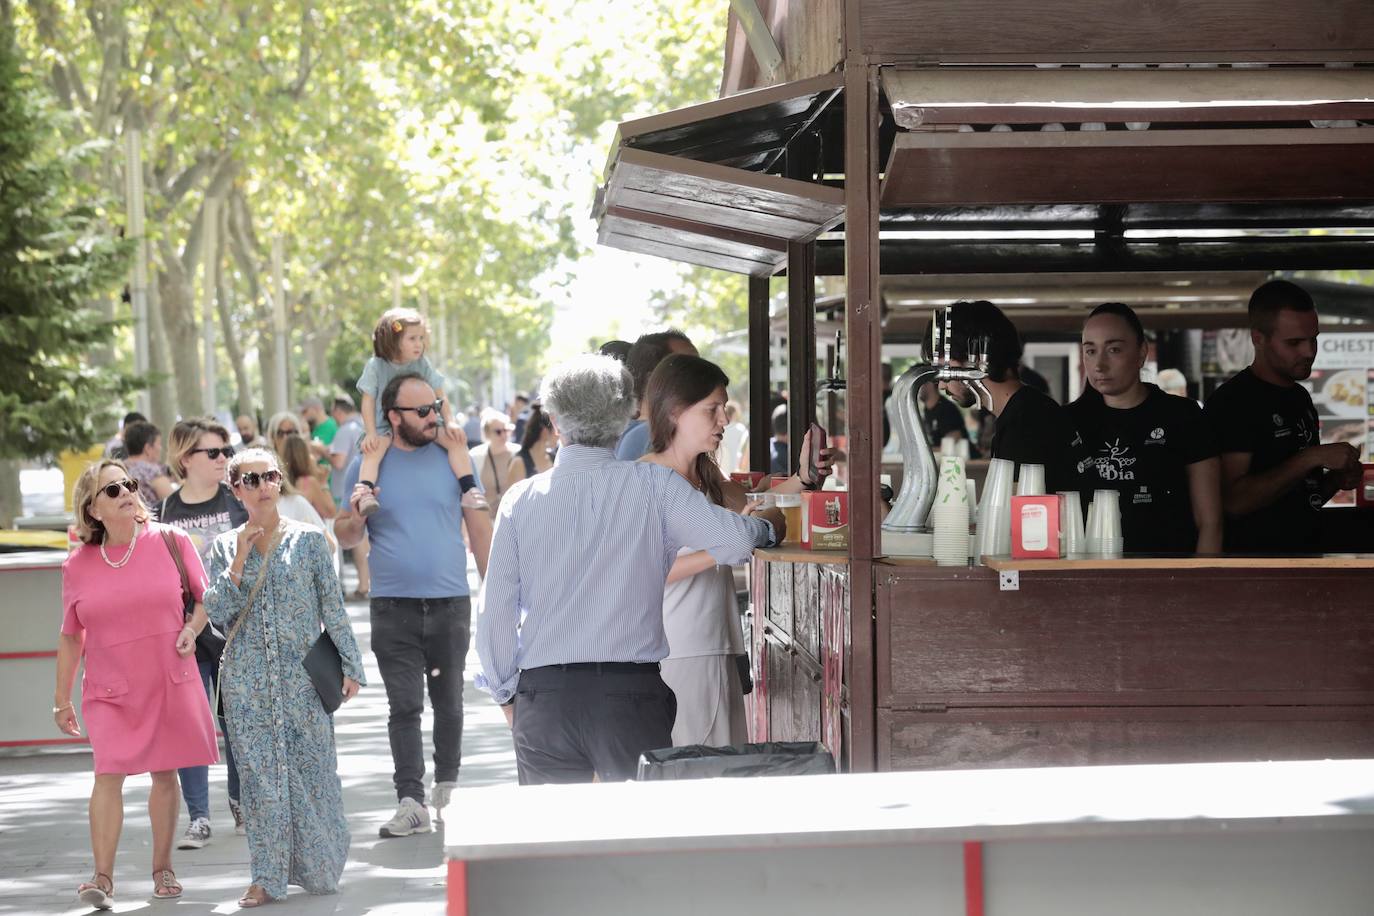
(1167, 166)
(954, 96)
(694, 184)
(1159, 136)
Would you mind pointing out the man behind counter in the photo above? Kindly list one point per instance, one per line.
(1275, 477)
(1031, 427)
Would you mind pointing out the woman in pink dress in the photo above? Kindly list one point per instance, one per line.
(141, 697)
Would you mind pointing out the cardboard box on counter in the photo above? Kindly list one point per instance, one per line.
(825, 520)
(1035, 527)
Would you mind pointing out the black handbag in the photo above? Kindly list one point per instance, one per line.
(325, 668)
(209, 640)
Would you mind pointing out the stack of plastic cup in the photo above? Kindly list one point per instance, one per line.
(1092, 534)
(994, 512)
(1104, 536)
(951, 514)
(1032, 480)
(1071, 523)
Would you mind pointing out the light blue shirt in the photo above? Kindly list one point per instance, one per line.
(634, 443)
(417, 534)
(579, 560)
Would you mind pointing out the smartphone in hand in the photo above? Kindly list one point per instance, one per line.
(813, 456)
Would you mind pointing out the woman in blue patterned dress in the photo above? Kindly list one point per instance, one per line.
(283, 738)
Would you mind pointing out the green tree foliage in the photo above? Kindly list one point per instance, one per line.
(54, 259)
(454, 143)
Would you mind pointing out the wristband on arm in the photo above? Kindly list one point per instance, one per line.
(467, 482)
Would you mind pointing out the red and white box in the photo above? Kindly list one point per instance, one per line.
(750, 479)
(825, 520)
(1035, 527)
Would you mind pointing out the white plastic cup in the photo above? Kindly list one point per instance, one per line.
(1092, 537)
(1032, 480)
(1071, 523)
(1109, 520)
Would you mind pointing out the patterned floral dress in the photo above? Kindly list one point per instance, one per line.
(283, 739)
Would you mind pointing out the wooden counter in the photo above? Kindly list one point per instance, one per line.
(1323, 561)
(795, 554)
(1137, 660)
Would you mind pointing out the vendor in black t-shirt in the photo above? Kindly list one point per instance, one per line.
(940, 417)
(1031, 427)
(1153, 448)
(1275, 477)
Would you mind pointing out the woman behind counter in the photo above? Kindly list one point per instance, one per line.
(283, 738)
(141, 698)
(1153, 448)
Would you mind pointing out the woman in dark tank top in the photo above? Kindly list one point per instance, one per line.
(537, 446)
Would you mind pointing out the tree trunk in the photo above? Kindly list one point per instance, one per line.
(316, 347)
(11, 499)
(242, 386)
(244, 246)
(179, 322)
(162, 395)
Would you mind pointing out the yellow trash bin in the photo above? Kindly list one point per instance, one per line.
(72, 464)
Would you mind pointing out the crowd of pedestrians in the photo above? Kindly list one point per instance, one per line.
(600, 518)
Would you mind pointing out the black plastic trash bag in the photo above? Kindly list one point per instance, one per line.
(773, 758)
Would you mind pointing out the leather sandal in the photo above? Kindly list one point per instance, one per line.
(95, 893)
(165, 884)
(256, 895)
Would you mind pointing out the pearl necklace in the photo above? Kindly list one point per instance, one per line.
(127, 557)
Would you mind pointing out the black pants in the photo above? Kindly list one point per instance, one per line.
(421, 641)
(573, 722)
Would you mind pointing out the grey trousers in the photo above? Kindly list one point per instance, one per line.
(576, 721)
(419, 643)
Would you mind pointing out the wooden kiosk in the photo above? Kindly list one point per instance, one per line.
(889, 141)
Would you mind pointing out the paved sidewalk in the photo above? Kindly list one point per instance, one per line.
(45, 842)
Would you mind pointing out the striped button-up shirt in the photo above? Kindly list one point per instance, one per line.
(579, 559)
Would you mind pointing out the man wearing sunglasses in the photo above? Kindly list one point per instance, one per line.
(421, 612)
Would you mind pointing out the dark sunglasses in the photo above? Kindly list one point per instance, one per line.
(112, 490)
(424, 411)
(287, 431)
(253, 478)
(213, 453)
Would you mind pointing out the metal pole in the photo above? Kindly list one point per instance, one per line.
(209, 260)
(281, 384)
(138, 284)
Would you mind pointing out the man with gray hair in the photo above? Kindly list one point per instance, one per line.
(570, 633)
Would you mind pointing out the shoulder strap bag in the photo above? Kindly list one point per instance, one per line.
(247, 609)
(209, 640)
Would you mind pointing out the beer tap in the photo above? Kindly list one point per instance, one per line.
(911, 510)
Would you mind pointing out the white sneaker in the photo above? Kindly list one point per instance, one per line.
(197, 834)
(440, 797)
(410, 817)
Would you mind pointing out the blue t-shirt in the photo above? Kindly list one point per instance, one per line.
(634, 444)
(377, 373)
(417, 535)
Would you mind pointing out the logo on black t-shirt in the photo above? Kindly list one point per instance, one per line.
(1157, 437)
(1115, 461)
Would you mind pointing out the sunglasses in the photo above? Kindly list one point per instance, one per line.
(213, 453)
(112, 490)
(253, 478)
(424, 411)
(287, 431)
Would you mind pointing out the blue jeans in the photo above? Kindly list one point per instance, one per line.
(195, 781)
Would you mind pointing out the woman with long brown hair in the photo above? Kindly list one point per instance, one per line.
(536, 446)
(141, 695)
(685, 400)
(305, 474)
